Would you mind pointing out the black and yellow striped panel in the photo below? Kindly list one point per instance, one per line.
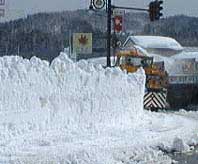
(155, 100)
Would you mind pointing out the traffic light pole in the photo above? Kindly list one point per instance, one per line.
(154, 11)
(109, 33)
(109, 13)
(130, 8)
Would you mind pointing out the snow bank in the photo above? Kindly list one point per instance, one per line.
(69, 95)
(81, 113)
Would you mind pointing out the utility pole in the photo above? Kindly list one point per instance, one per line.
(109, 33)
(18, 50)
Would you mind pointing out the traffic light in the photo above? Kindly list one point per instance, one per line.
(155, 10)
(152, 11)
(158, 10)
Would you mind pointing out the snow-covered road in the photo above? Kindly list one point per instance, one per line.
(112, 145)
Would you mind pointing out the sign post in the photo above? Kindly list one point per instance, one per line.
(109, 33)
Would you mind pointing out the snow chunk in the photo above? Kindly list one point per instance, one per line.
(179, 145)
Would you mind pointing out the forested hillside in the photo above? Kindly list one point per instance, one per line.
(46, 34)
(182, 28)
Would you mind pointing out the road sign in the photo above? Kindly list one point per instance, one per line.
(82, 43)
(98, 4)
(184, 67)
(118, 23)
(118, 20)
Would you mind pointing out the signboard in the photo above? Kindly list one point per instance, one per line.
(184, 71)
(184, 66)
(118, 20)
(188, 66)
(82, 43)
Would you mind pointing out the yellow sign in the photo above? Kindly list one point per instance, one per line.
(82, 43)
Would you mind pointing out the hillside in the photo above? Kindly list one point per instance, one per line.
(46, 34)
(182, 28)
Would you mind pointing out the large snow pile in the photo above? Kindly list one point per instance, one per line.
(65, 95)
(76, 94)
(82, 113)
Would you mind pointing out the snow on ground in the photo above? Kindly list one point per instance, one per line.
(81, 113)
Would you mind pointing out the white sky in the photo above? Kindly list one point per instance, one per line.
(20, 8)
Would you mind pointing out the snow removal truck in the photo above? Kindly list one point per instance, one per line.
(155, 97)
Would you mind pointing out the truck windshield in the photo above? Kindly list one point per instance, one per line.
(133, 61)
